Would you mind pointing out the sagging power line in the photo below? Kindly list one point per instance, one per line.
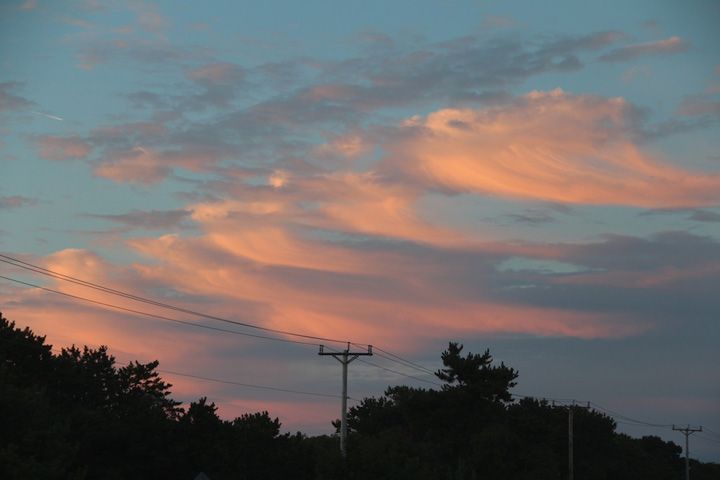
(60, 276)
(391, 357)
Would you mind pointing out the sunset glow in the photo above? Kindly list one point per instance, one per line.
(224, 189)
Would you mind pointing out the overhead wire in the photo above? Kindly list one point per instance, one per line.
(36, 269)
(43, 271)
(388, 355)
(400, 373)
(209, 327)
(628, 419)
(229, 382)
(401, 360)
(153, 315)
(60, 276)
(189, 375)
(706, 438)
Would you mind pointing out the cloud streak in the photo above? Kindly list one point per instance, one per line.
(54, 147)
(668, 46)
(548, 146)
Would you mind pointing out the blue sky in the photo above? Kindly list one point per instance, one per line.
(537, 178)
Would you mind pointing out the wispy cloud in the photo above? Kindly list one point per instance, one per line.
(29, 5)
(669, 46)
(16, 201)
(549, 146)
(153, 220)
(54, 147)
(11, 101)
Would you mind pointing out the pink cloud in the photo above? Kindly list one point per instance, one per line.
(29, 5)
(363, 203)
(88, 313)
(130, 129)
(16, 201)
(147, 165)
(53, 147)
(493, 21)
(218, 72)
(667, 276)
(548, 146)
(269, 262)
(140, 165)
(331, 92)
(349, 145)
(667, 46)
(632, 72)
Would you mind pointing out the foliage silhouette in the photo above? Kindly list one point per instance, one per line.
(77, 415)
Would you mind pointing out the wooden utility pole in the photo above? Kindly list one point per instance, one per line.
(687, 431)
(347, 357)
(571, 466)
(571, 455)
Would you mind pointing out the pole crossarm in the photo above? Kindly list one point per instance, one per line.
(344, 357)
(345, 352)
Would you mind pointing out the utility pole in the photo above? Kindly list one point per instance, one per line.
(571, 409)
(347, 357)
(687, 431)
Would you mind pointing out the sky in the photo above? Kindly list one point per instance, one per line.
(541, 179)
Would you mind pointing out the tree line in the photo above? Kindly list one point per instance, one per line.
(78, 415)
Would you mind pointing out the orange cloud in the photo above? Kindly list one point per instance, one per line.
(548, 146)
(141, 165)
(146, 165)
(252, 254)
(349, 145)
(364, 203)
(53, 147)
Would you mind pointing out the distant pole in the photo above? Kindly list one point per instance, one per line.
(687, 431)
(347, 357)
(570, 443)
(571, 466)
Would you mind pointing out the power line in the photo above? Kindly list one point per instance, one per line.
(391, 357)
(544, 399)
(708, 439)
(229, 382)
(60, 276)
(627, 420)
(705, 435)
(403, 361)
(400, 373)
(200, 377)
(637, 422)
(162, 317)
(399, 360)
(153, 315)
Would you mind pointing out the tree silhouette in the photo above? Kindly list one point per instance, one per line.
(77, 415)
(476, 373)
